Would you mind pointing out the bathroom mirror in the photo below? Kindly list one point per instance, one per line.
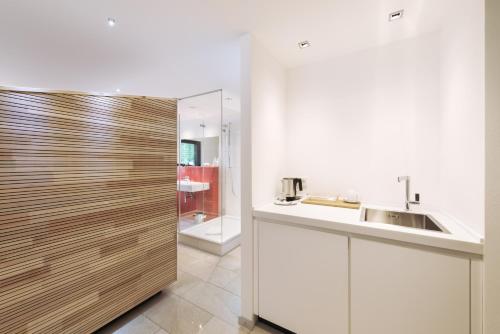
(200, 151)
(190, 152)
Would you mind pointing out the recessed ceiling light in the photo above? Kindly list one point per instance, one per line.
(396, 15)
(304, 44)
(118, 90)
(111, 22)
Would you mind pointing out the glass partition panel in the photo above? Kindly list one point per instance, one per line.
(199, 188)
(230, 166)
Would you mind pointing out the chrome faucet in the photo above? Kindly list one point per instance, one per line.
(407, 192)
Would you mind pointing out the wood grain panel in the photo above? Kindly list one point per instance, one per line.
(87, 207)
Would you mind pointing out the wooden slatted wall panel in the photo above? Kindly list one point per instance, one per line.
(88, 209)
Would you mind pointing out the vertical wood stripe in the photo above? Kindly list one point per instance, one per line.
(87, 207)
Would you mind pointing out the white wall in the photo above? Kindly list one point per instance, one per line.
(414, 107)
(268, 125)
(359, 121)
(191, 129)
(209, 149)
(263, 146)
(463, 116)
(492, 241)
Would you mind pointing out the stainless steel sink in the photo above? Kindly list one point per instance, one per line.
(406, 219)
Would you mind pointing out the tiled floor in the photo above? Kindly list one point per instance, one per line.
(205, 299)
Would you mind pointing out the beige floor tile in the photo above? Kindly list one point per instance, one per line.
(217, 326)
(230, 262)
(217, 301)
(161, 331)
(198, 254)
(130, 323)
(222, 277)
(176, 315)
(186, 258)
(199, 268)
(196, 262)
(235, 252)
(234, 286)
(185, 282)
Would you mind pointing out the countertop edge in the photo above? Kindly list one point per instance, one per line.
(462, 246)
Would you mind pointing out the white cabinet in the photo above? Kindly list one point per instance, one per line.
(396, 289)
(303, 279)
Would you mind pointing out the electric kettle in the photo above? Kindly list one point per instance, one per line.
(290, 187)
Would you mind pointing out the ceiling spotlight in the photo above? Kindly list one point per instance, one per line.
(396, 15)
(304, 44)
(111, 22)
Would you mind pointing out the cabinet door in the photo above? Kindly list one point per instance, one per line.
(303, 279)
(397, 290)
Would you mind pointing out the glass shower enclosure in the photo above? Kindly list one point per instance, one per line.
(208, 173)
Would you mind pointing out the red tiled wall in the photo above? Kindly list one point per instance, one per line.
(207, 201)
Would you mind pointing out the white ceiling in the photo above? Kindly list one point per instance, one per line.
(177, 48)
(337, 27)
(160, 48)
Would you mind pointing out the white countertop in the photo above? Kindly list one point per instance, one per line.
(349, 221)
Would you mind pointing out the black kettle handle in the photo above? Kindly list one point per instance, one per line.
(295, 182)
